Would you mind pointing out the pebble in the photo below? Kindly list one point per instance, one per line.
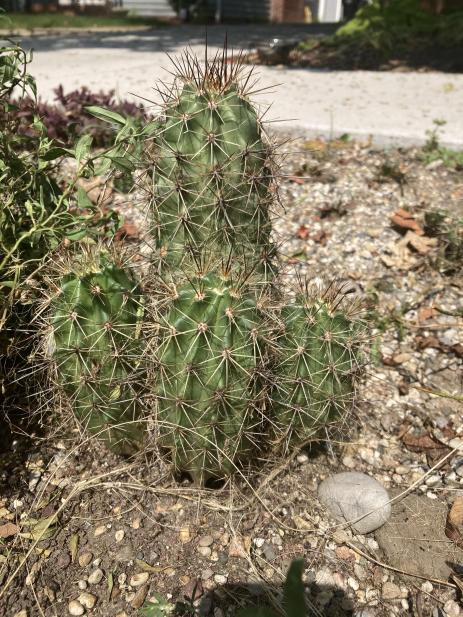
(82, 584)
(205, 551)
(352, 582)
(427, 587)
(138, 598)
(185, 535)
(220, 579)
(259, 542)
(451, 608)
(22, 613)
(119, 535)
(99, 531)
(88, 600)
(85, 559)
(356, 498)
(302, 458)
(402, 470)
(390, 591)
(95, 577)
(75, 608)
(433, 480)
(205, 541)
(459, 470)
(349, 462)
(139, 579)
(207, 574)
(63, 561)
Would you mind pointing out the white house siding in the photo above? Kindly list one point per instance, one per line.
(150, 8)
(242, 9)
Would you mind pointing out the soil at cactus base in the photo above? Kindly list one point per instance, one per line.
(78, 524)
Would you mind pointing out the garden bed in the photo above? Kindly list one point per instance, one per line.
(126, 532)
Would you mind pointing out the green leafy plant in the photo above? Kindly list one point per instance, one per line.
(38, 212)
(433, 150)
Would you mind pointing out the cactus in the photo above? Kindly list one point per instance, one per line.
(213, 176)
(317, 362)
(94, 340)
(211, 359)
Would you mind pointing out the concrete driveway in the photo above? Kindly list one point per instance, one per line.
(394, 108)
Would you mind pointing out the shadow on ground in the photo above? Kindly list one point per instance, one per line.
(230, 600)
(167, 39)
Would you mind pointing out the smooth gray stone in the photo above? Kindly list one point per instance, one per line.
(357, 499)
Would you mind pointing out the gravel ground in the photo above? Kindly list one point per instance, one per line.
(122, 533)
(394, 108)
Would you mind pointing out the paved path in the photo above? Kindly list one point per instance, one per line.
(392, 107)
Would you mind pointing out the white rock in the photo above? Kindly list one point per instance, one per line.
(119, 535)
(356, 498)
(139, 579)
(95, 577)
(451, 608)
(82, 584)
(87, 599)
(427, 587)
(75, 608)
(220, 579)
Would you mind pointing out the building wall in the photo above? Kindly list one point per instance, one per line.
(242, 10)
(150, 8)
(287, 11)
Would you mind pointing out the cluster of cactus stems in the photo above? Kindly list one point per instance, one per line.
(209, 349)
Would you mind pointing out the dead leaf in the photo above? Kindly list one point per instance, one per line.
(8, 529)
(296, 180)
(421, 244)
(41, 529)
(303, 232)
(457, 194)
(426, 312)
(127, 231)
(405, 220)
(454, 523)
(427, 444)
(422, 342)
(73, 544)
(320, 236)
(237, 548)
(146, 567)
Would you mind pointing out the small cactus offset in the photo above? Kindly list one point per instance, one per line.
(318, 361)
(213, 179)
(211, 359)
(93, 338)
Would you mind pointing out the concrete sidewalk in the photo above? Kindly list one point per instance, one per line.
(393, 108)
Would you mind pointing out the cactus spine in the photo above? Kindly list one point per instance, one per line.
(95, 344)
